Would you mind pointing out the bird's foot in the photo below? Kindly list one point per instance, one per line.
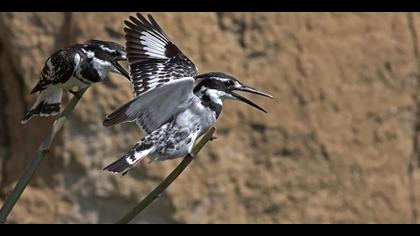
(77, 93)
(192, 154)
(213, 137)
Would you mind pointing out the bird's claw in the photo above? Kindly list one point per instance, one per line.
(77, 93)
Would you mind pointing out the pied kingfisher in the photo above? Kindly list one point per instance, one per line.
(79, 66)
(173, 105)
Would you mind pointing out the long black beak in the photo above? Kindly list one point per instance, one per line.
(246, 100)
(120, 68)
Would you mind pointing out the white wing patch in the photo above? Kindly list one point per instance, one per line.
(155, 107)
(153, 48)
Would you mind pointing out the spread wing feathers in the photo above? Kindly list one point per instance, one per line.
(153, 59)
(157, 106)
(58, 68)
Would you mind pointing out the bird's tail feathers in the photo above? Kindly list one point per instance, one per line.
(47, 103)
(131, 158)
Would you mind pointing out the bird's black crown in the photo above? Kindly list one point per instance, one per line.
(213, 80)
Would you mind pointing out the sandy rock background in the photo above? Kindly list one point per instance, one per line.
(340, 143)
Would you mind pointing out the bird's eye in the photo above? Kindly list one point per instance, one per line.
(229, 83)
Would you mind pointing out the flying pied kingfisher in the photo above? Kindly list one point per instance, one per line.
(173, 105)
(79, 66)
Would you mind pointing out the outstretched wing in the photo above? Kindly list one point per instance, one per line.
(162, 76)
(58, 68)
(153, 59)
(154, 108)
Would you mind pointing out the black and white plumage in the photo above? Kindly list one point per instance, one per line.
(173, 105)
(154, 59)
(77, 66)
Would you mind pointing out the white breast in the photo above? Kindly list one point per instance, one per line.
(197, 114)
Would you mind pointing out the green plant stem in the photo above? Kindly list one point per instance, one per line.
(36, 161)
(167, 181)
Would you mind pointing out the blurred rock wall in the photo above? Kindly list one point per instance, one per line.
(340, 143)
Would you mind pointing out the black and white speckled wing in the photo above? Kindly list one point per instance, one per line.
(58, 68)
(162, 77)
(153, 59)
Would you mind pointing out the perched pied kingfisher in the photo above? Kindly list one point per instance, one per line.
(173, 105)
(77, 66)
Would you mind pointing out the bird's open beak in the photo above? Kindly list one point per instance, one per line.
(246, 100)
(121, 69)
